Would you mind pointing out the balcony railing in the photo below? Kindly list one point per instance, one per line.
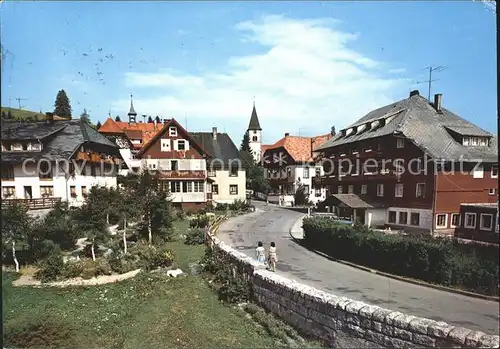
(32, 204)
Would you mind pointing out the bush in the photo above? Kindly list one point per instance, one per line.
(233, 287)
(239, 205)
(42, 249)
(95, 268)
(121, 264)
(200, 221)
(87, 250)
(195, 236)
(437, 260)
(151, 257)
(222, 207)
(72, 270)
(51, 268)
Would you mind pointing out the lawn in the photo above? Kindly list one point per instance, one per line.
(21, 114)
(149, 311)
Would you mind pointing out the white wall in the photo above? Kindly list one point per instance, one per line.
(425, 217)
(188, 197)
(375, 216)
(255, 146)
(223, 180)
(182, 164)
(61, 188)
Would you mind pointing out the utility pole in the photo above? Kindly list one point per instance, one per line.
(19, 99)
(431, 69)
(186, 120)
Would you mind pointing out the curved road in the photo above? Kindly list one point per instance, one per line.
(272, 223)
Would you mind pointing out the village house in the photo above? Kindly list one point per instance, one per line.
(289, 163)
(130, 136)
(225, 170)
(409, 165)
(44, 162)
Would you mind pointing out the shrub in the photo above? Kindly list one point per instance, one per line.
(151, 257)
(200, 221)
(195, 236)
(42, 249)
(239, 205)
(233, 287)
(87, 250)
(95, 268)
(180, 214)
(72, 270)
(51, 268)
(222, 207)
(436, 260)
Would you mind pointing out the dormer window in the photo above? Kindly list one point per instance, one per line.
(475, 141)
(16, 147)
(349, 132)
(172, 131)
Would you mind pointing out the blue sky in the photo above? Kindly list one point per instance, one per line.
(309, 65)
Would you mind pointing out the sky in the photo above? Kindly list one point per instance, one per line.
(307, 65)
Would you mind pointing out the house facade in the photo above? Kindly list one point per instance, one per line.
(409, 165)
(48, 161)
(477, 222)
(130, 136)
(226, 171)
(289, 164)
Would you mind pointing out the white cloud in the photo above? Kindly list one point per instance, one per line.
(308, 78)
(397, 71)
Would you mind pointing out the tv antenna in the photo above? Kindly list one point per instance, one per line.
(19, 99)
(431, 69)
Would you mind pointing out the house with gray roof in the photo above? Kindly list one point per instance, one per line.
(47, 161)
(412, 163)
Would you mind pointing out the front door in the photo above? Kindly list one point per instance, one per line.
(27, 192)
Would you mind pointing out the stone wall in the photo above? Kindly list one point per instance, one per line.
(343, 322)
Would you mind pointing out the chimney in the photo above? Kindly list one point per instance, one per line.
(287, 134)
(414, 93)
(49, 116)
(214, 132)
(438, 97)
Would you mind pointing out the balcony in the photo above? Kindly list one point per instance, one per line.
(194, 174)
(32, 204)
(96, 158)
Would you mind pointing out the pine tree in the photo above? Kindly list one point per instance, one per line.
(4, 116)
(62, 105)
(98, 125)
(9, 115)
(150, 120)
(118, 118)
(85, 116)
(245, 143)
(158, 119)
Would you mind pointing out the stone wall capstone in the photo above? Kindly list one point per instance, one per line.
(342, 322)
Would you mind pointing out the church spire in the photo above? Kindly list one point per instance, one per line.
(254, 124)
(131, 114)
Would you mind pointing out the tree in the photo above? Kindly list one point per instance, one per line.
(118, 118)
(9, 115)
(85, 117)
(16, 227)
(332, 131)
(154, 206)
(4, 116)
(98, 126)
(245, 143)
(300, 197)
(91, 217)
(57, 227)
(257, 181)
(126, 209)
(158, 119)
(150, 120)
(62, 105)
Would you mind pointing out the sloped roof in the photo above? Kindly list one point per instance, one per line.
(254, 121)
(68, 137)
(299, 148)
(355, 201)
(33, 130)
(221, 148)
(416, 119)
(170, 122)
(138, 130)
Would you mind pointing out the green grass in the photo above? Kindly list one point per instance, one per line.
(20, 114)
(148, 311)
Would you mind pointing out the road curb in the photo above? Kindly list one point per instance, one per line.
(400, 278)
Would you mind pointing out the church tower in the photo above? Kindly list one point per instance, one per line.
(131, 114)
(254, 132)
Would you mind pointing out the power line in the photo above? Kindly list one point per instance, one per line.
(431, 69)
(19, 99)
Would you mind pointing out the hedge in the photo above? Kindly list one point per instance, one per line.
(447, 262)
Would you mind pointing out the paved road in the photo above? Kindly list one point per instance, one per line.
(272, 223)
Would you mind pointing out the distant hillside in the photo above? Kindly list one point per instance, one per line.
(20, 114)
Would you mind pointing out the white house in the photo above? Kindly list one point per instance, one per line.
(225, 169)
(47, 161)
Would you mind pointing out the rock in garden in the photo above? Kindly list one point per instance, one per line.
(174, 273)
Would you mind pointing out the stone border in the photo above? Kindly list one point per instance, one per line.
(340, 321)
(100, 280)
(395, 277)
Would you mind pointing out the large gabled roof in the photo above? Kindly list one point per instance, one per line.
(166, 125)
(65, 138)
(222, 148)
(416, 119)
(132, 130)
